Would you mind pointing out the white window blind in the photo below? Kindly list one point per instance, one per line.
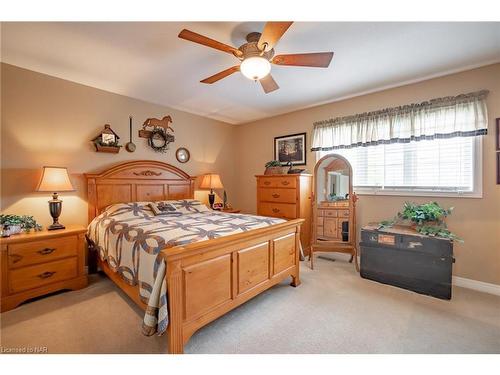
(432, 167)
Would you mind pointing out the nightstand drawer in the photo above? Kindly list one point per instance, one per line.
(35, 276)
(34, 252)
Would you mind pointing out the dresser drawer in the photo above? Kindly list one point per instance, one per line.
(34, 252)
(283, 210)
(286, 182)
(35, 276)
(278, 195)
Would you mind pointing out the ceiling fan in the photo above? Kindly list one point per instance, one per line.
(257, 55)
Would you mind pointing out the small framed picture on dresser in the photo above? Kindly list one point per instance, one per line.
(290, 148)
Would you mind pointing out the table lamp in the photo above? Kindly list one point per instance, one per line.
(55, 179)
(211, 181)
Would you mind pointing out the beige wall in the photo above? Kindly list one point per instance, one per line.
(476, 220)
(50, 121)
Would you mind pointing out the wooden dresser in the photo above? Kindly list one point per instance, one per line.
(38, 263)
(287, 196)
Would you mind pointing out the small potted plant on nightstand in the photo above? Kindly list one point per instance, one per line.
(14, 224)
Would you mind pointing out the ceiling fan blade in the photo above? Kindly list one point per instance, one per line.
(272, 33)
(200, 39)
(220, 75)
(269, 84)
(318, 60)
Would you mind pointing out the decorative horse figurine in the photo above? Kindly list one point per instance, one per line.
(154, 122)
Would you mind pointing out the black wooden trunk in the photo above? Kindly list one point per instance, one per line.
(407, 260)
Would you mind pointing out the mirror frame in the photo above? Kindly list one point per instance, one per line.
(334, 245)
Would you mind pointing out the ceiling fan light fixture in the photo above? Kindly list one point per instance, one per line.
(255, 67)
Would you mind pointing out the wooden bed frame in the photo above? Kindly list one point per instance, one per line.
(206, 279)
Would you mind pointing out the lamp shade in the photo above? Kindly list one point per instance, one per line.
(55, 179)
(211, 181)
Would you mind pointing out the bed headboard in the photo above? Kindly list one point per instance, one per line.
(135, 181)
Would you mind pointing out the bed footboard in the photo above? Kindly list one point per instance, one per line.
(207, 279)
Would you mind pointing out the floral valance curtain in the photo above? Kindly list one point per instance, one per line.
(458, 116)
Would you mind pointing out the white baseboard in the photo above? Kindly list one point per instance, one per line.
(476, 285)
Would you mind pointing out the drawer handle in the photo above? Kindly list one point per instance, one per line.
(276, 195)
(46, 251)
(46, 275)
(285, 182)
(276, 210)
(267, 182)
(16, 257)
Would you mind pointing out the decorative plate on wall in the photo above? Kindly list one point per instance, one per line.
(182, 155)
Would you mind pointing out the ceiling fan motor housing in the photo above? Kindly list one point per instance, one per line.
(251, 49)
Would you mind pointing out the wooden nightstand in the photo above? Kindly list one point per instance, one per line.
(38, 263)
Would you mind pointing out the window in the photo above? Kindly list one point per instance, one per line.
(439, 167)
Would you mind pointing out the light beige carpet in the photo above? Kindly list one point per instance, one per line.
(333, 311)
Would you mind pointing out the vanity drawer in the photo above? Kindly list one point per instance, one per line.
(34, 252)
(278, 195)
(282, 210)
(281, 181)
(343, 213)
(35, 276)
(330, 213)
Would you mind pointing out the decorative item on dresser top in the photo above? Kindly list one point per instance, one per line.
(55, 179)
(287, 196)
(334, 208)
(38, 263)
(251, 254)
(211, 181)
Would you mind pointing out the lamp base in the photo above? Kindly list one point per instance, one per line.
(211, 199)
(56, 226)
(55, 207)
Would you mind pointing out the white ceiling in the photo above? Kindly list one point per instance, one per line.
(148, 61)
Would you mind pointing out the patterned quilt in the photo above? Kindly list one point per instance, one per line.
(129, 237)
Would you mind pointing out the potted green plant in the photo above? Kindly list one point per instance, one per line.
(275, 167)
(14, 224)
(428, 219)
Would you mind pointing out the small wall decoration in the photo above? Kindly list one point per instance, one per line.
(498, 134)
(498, 149)
(290, 148)
(498, 168)
(130, 146)
(158, 133)
(182, 154)
(107, 141)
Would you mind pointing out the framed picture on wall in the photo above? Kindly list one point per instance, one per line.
(290, 148)
(498, 168)
(498, 134)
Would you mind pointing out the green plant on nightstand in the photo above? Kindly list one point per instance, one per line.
(24, 222)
